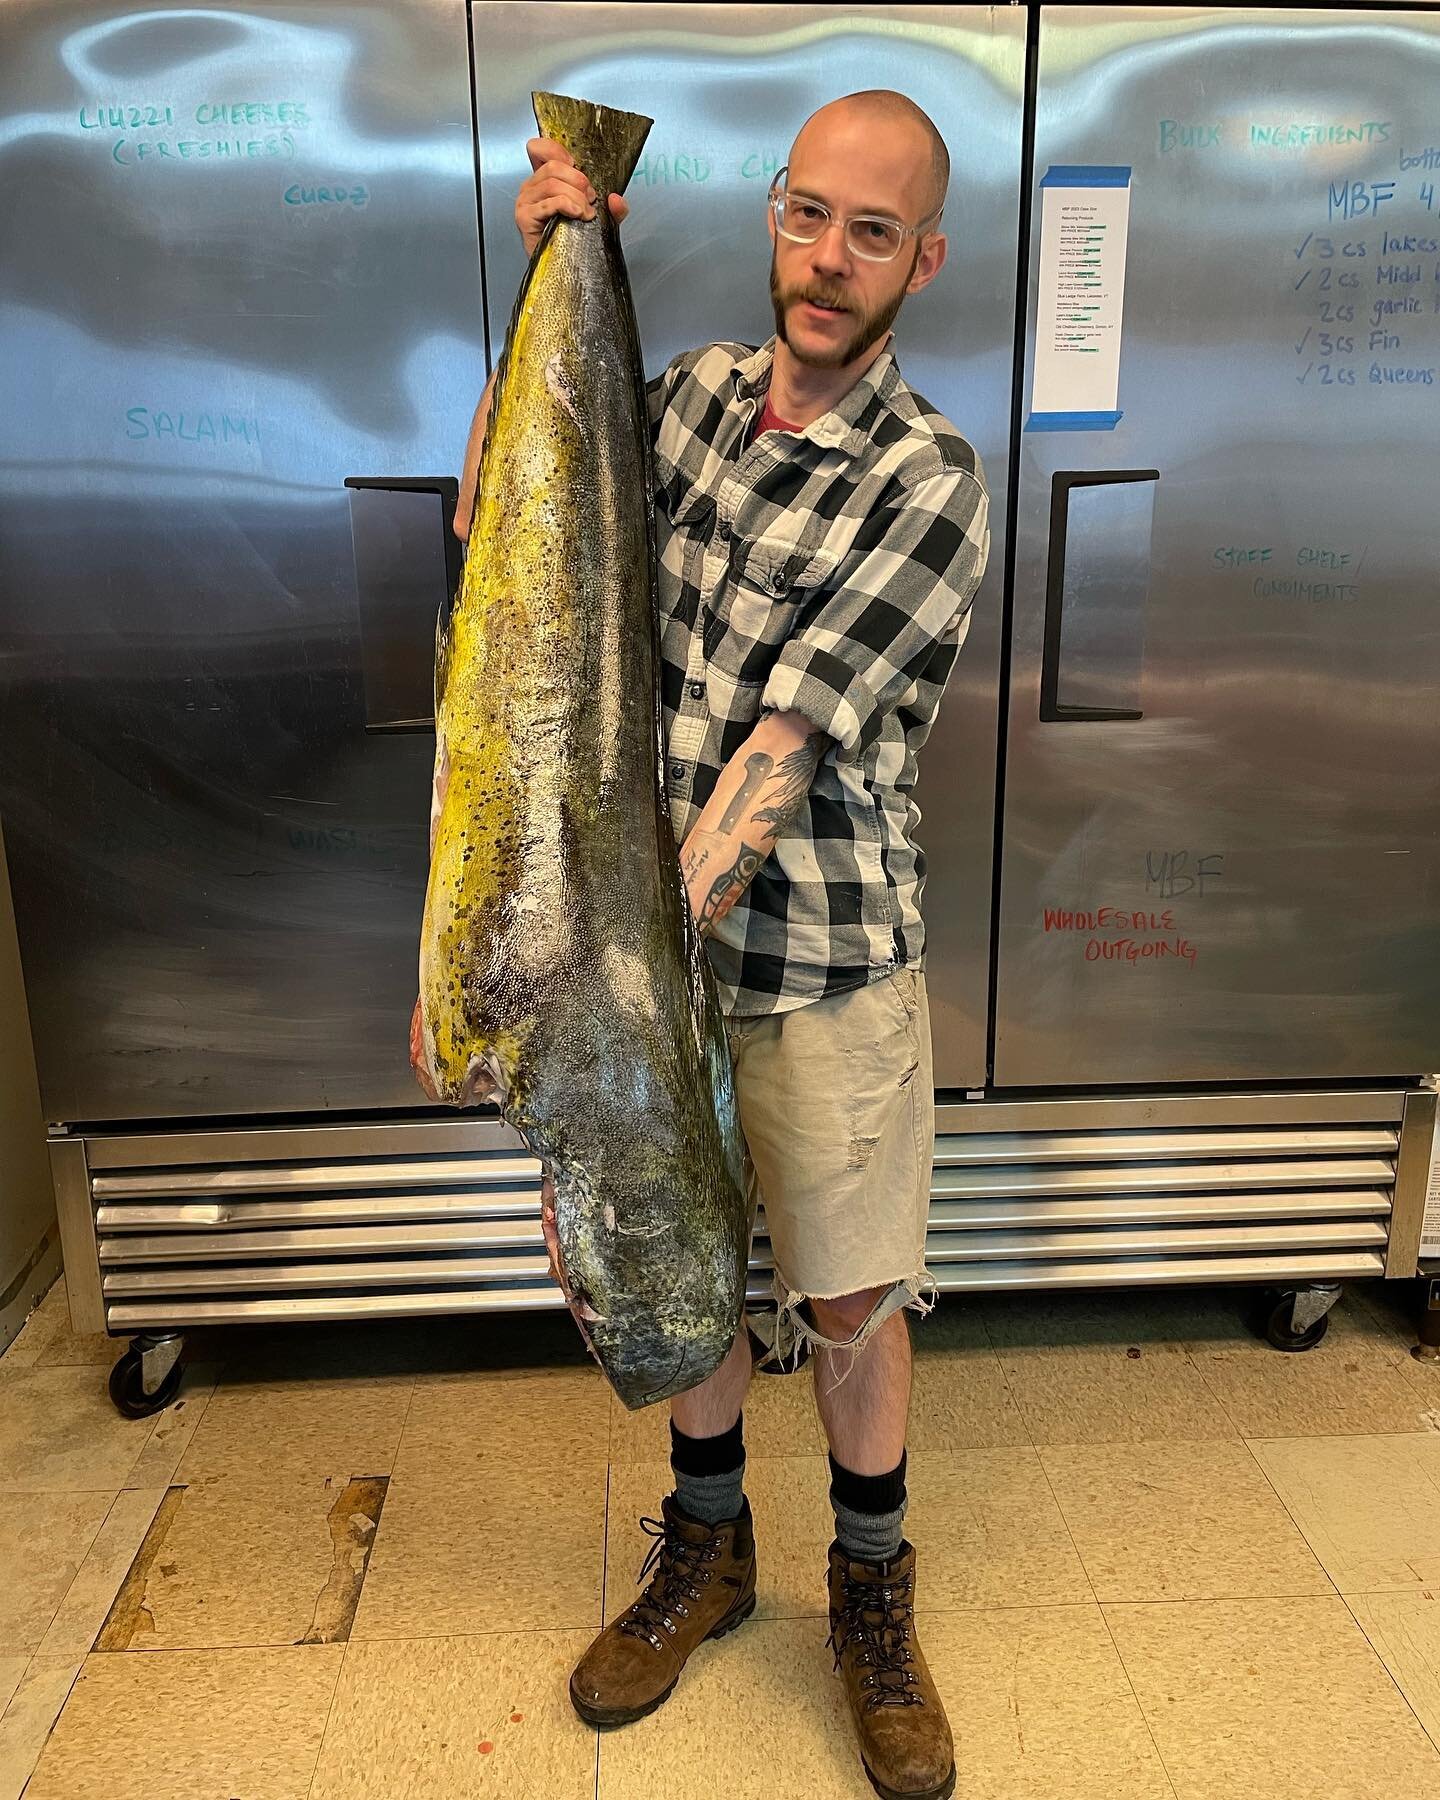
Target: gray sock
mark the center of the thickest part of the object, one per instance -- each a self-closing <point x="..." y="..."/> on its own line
<point x="869" y="1512"/>
<point x="709" y="1473"/>
<point x="710" y="1498"/>
<point x="870" y="1537"/>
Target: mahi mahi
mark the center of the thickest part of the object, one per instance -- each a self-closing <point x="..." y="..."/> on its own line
<point x="561" y="973"/>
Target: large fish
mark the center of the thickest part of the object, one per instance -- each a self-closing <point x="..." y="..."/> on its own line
<point x="561" y="972"/>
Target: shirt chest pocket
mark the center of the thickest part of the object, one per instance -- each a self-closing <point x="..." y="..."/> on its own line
<point x="766" y="588"/>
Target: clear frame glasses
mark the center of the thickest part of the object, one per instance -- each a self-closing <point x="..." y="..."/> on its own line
<point x="868" y="235"/>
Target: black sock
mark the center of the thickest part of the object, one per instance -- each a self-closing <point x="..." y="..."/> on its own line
<point x="869" y="1511"/>
<point x="709" y="1472"/>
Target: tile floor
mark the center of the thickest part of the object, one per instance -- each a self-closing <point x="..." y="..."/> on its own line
<point x="1159" y="1561"/>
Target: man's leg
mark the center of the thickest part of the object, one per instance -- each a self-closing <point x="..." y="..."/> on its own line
<point x="864" y="1395"/>
<point x="863" y="1392"/>
<point x="864" y="1399"/>
<point x="707" y="1445"/>
<point x="701" y="1569"/>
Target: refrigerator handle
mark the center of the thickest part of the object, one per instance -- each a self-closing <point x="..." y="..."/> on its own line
<point x="447" y="487"/>
<point x="407" y="567"/>
<point x="1052" y="709"/>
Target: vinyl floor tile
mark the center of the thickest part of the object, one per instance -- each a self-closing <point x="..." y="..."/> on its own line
<point x="987" y="1532"/>
<point x="1393" y="1309"/>
<point x="767" y="1706"/>
<point x="780" y="1420"/>
<point x="271" y="1430"/>
<point x="230" y="1563"/>
<point x="72" y="1632"/>
<point x="175" y="1427"/>
<point x="1405" y="1630"/>
<point x="512" y="1550"/>
<point x="789" y="1498"/>
<point x="59" y="1431"/>
<point x="44" y="1538"/>
<point x="1248" y="1697"/>
<point x="34" y="1337"/>
<point x="12" y="1667"/>
<point x="1136" y="1393"/>
<point x="191" y="1725"/>
<point x="1179" y="1522"/>
<point x="960" y="1398"/>
<point x="1348" y="1384"/>
<point x="47" y="1340"/>
<point x="69" y="1349"/>
<point x="1040" y="1706"/>
<point x="459" y="1425"/>
<point x="458" y="1718"/>
<point x="1369" y="1506"/>
<point x="27" y="1721"/>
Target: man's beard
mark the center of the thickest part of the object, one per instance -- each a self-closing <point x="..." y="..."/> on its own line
<point x="868" y="327"/>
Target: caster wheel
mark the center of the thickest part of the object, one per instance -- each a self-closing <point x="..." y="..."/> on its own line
<point x="1276" y="1327"/>
<point x="129" y="1395"/>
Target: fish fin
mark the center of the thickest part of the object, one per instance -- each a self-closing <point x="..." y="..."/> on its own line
<point x="605" y="142"/>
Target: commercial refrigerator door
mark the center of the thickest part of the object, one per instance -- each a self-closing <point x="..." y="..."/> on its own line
<point x="1219" y="811"/>
<point x="728" y="88"/>
<point x="241" y="264"/>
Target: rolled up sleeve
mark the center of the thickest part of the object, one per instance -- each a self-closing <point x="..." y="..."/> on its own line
<point x="657" y="393"/>
<point x="897" y="604"/>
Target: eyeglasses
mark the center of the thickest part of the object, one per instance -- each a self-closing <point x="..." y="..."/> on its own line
<point x="867" y="235"/>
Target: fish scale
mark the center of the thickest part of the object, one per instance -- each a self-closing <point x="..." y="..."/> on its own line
<point x="561" y="972"/>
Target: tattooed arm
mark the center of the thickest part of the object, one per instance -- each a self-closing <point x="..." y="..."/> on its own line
<point x="759" y="791"/>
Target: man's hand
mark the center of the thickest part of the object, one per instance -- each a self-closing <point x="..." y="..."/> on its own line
<point x="556" y="186"/>
<point x="417" y="1054"/>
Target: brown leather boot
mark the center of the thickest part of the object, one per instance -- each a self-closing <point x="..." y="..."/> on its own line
<point x="702" y="1585"/>
<point x="905" y="1741"/>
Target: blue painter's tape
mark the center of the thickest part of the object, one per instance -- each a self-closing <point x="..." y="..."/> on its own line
<point x="1073" y="421"/>
<point x="1086" y="175"/>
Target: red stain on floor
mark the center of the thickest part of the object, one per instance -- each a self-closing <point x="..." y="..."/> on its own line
<point x="517" y="1718"/>
<point x="485" y="1748"/>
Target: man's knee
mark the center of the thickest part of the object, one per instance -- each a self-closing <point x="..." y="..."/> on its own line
<point x="840" y="1318"/>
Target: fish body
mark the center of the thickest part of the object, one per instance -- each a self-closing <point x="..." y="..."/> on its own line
<point x="560" y="968"/>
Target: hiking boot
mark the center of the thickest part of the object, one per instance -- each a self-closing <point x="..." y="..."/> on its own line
<point x="905" y="1741"/>
<point x="702" y="1584"/>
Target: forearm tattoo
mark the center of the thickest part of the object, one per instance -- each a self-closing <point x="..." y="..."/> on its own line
<point x="791" y="784"/>
<point x="757" y="767"/>
<point x="692" y="861"/>
<point x="782" y="788"/>
<point x="726" y="889"/>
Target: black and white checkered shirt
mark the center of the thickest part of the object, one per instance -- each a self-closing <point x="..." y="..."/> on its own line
<point x="828" y="573"/>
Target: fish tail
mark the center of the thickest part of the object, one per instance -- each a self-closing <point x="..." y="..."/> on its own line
<point x="605" y="142"/>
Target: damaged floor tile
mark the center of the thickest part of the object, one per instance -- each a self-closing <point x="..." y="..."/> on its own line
<point x="227" y="1562"/>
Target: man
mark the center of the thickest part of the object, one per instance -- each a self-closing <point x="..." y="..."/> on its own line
<point x="821" y="533"/>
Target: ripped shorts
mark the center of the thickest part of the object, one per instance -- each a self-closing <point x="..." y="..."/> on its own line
<point x="837" y="1102"/>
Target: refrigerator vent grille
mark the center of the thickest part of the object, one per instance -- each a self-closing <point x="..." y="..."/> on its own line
<point x="415" y="1219"/>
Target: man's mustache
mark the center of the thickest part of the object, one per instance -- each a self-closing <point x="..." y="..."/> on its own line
<point x="816" y="297"/>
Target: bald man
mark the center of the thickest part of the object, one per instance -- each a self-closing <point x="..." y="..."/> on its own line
<point x="821" y="534"/>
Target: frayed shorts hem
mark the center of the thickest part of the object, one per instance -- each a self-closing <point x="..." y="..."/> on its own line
<point x="788" y="1331"/>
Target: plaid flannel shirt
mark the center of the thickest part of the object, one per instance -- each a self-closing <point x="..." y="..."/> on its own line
<point x="830" y="574"/>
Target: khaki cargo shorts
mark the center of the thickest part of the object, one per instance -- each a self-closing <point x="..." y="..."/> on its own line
<point x="837" y="1101"/>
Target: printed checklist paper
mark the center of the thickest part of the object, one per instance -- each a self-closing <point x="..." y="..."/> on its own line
<point x="1084" y="225"/>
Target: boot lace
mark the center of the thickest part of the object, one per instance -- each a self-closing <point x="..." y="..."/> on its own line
<point x="876" y="1621"/>
<point x="680" y="1571"/>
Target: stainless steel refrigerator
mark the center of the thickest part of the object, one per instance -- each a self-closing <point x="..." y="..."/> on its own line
<point x="1180" y="811"/>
